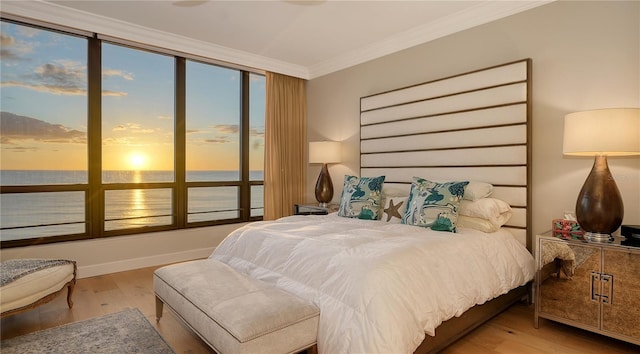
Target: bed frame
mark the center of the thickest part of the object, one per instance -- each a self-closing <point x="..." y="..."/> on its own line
<point x="472" y="126"/>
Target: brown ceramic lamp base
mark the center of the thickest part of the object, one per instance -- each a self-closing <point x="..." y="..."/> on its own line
<point x="599" y="208"/>
<point x="324" y="187"/>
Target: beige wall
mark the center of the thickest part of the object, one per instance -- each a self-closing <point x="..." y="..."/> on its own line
<point x="586" y="55"/>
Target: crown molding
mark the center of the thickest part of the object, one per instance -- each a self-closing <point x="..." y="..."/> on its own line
<point x="88" y="22"/>
<point x="483" y="12"/>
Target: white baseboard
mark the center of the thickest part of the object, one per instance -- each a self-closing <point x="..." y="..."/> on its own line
<point x="143" y="262"/>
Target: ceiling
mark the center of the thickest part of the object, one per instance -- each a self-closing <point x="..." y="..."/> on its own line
<point x="305" y="39"/>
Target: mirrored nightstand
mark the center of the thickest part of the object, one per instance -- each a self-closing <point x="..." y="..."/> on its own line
<point x="314" y="209"/>
<point x="593" y="286"/>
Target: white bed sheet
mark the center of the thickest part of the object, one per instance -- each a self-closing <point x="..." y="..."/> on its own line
<point x="380" y="287"/>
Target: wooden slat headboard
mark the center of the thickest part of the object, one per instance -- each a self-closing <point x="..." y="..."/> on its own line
<point x="473" y="126"/>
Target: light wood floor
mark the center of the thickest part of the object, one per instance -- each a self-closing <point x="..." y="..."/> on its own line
<point x="510" y="332"/>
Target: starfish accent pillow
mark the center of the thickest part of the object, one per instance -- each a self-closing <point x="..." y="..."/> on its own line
<point x="394" y="209"/>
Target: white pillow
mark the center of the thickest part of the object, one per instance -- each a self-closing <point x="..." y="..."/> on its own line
<point x="395" y="190"/>
<point x="477" y="190"/>
<point x="469" y="222"/>
<point x="394" y="208"/>
<point x="498" y="212"/>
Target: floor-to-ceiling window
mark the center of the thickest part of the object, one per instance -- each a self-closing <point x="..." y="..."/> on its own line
<point x="104" y="138"/>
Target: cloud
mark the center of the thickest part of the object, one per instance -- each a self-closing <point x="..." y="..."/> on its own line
<point x="15" y="128"/>
<point x="227" y="128"/>
<point x="13" y="50"/>
<point x="110" y="93"/>
<point x="6" y="54"/>
<point x="64" y="73"/>
<point x="110" y="141"/>
<point x="63" y="77"/>
<point x="135" y="128"/>
<point x="107" y="73"/>
<point x="223" y="132"/>
<point x="226" y="134"/>
<point x="57" y="90"/>
<point x="258" y="138"/>
<point x="234" y="129"/>
<point x="6" y="41"/>
<point x="5" y="140"/>
<point x="20" y="149"/>
<point x="66" y="76"/>
<point x="60" y="78"/>
<point x="117" y="73"/>
<point x="257" y="132"/>
<point x="217" y="141"/>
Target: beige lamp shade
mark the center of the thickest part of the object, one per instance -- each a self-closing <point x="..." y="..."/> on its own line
<point x="324" y="152"/>
<point x="609" y="132"/>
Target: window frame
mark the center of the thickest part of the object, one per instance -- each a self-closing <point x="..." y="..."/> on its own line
<point x="94" y="190"/>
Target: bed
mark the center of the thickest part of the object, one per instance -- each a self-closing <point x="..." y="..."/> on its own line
<point x="385" y="286"/>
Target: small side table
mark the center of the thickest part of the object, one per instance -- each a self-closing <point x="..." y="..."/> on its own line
<point x="314" y="209"/>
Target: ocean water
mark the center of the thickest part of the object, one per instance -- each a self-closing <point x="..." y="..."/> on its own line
<point x="32" y="215"/>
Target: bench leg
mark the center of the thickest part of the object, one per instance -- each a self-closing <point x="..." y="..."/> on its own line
<point x="72" y="285"/>
<point x="159" y="306"/>
<point x="70" y="288"/>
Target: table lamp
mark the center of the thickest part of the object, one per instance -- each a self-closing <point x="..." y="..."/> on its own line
<point x="601" y="133"/>
<point x="324" y="152"/>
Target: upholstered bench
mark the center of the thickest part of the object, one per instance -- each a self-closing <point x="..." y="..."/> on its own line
<point x="234" y="313"/>
<point x="28" y="283"/>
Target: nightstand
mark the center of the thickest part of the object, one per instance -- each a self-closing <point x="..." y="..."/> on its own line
<point x="591" y="285"/>
<point x="314" y="209"/>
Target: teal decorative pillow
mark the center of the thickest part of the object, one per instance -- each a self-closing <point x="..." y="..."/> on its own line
<point x="361" y="197"/>
<point x="434" y="205"/>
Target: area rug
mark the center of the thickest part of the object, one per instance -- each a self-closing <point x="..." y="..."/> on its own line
<point x="127" y="331"/>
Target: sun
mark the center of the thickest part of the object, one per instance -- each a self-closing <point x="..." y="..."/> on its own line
<point x="137" y="161"/>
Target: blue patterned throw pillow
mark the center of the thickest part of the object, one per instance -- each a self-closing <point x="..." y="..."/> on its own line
<point x="361" y="197"/>
<point x="434" y="205"/>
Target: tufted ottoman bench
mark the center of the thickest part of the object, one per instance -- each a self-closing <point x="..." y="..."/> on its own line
<point x="28" y="283"/>
<point x="234" y="313"/>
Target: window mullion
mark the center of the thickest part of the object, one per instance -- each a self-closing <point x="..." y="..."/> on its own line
<point x="180" y="190"/>
<point x="245" y="189"/>
<point x="95" y="197"/>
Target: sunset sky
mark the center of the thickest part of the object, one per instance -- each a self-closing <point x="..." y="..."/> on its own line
<point x="44" y="107"/>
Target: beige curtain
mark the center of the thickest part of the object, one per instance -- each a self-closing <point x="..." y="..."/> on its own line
<point x="285" y="145"/>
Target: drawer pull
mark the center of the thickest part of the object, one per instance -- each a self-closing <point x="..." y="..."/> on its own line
<point x="595" y="279"/>
<point x="607" y="278"/>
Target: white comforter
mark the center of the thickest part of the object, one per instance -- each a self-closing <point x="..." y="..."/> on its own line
<point x="380" y="287"/>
